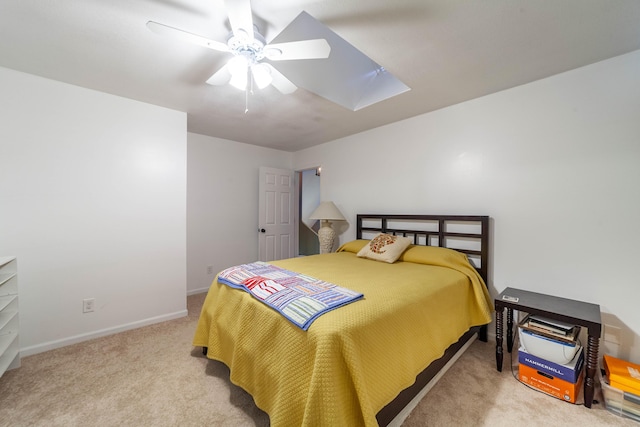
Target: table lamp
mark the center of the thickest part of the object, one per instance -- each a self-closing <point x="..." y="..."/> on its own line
<point x="326" y="212"/>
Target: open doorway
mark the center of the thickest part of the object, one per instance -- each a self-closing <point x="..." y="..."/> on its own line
<point x="308" y="199"/>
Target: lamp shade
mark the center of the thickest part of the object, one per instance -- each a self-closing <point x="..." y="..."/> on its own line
<point x="327" y="211"/>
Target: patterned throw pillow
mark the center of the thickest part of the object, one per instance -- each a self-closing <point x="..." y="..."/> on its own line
<point x="385" y="247"/>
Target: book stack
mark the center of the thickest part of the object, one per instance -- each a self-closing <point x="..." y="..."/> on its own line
<point x="551" y="357"/>
<point x="551" y="329"/>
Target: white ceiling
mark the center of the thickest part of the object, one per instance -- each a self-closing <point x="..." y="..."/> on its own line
<point x="446" y="51"/>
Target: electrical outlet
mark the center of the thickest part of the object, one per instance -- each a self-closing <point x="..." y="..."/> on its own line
<point x="210" y="269"/>
<point x="88" y="305"/>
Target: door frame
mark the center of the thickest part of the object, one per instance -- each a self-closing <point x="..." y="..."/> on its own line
<point x="298" y="201"/>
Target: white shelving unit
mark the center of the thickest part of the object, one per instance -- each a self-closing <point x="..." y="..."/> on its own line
<point x="9" y="318"/>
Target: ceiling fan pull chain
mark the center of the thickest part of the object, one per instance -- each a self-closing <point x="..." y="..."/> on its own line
<point x="246" y="90"/>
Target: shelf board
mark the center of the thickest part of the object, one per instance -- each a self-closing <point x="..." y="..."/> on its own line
<point x="6" y="277"/>
<point x="6" y="300"/>
<point x="5" y="318"/>
<point x="6" y="260"/>
<point x="9" y="354"/>
<point x="6" y="341"/>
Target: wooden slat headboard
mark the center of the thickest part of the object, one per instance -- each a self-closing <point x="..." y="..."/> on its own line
<point x="465" y="233"/>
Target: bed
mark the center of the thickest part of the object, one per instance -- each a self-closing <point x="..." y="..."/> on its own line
<point x="362" y="363"/>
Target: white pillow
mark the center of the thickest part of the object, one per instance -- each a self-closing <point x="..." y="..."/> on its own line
<point x="385" y="247"/>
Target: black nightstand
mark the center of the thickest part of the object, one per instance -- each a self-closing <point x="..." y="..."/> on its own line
<point x="566" y="310"/>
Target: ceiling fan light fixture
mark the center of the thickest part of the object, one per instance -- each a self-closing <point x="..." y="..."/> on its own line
<point x="239" y="81"/>
<point x="238" y="67"/>
<point x="261" y="75"/>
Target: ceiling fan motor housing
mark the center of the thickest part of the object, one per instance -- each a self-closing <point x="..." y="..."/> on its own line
<point x="241" y="43"/>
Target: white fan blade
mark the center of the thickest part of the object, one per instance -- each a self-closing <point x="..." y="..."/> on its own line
<point x="280" y="82"/>
<point x="303" y="49"/>
<point x="240" y="17"/>
<point x="221" y="77"/>
<point x="166" y="30"/>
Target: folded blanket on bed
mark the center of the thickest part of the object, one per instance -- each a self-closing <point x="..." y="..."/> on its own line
<point x="299" y="298"/>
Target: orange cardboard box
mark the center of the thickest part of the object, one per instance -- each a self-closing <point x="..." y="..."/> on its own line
<point x="622" y="375"/>
<point x="561" y="389"/>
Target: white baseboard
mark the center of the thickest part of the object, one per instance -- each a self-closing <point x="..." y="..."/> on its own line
<point x="197" y="291"/>
<point x="51" y="345"/>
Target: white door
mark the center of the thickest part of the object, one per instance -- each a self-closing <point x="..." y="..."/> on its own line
<point x="276" y="224"/>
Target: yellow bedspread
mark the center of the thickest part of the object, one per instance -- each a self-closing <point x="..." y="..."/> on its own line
<point x="354" y="360"/>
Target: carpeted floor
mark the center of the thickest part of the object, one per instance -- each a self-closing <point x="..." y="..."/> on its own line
<point x="152" y="376"/>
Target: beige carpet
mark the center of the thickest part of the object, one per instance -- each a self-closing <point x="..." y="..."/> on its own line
<point x="152" y="376"/>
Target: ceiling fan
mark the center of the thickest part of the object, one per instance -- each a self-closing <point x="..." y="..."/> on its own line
<point x="347" y="77"/>
<point x="249" y="48"/>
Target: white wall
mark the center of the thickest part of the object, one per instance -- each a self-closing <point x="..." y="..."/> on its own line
<point x="222" y="204"/>
<point x="93" y="204"/>
<point x="555" y="163"/>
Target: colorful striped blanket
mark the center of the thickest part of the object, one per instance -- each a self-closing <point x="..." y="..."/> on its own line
<point x="299" y="298"/>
